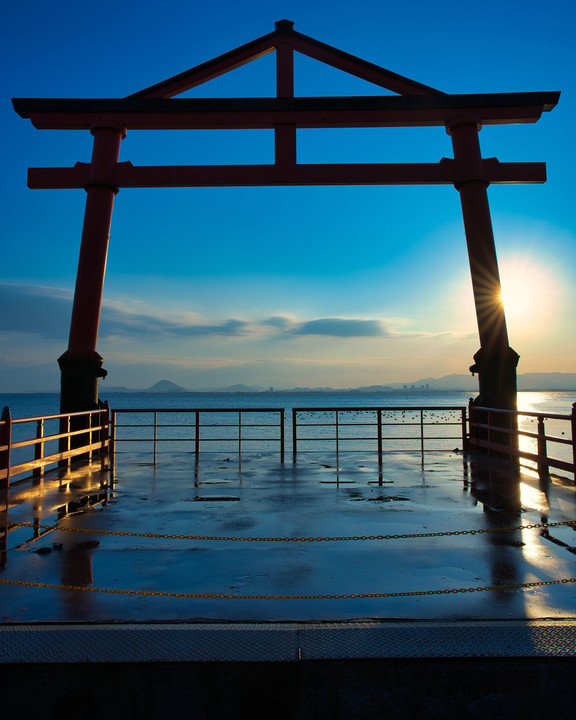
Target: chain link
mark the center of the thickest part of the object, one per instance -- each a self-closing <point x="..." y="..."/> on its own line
<point x="230" y="596"/>
<point x="226" y="538"/>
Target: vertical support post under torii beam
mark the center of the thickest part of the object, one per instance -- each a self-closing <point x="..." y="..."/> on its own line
<point x="496" y="361"/>
<point x="285" y="135"/>
<point x="81" y="365"/>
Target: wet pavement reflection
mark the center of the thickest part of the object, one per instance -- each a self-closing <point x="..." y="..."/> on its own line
<point x="319" y="495"/>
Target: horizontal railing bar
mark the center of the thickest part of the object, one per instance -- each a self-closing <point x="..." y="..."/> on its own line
<point x="198" y="410"/>
<point x="204" y="439"/>
<point x="52" y="438"/>
<point x="52" y="459"/>
<point x="85" y="413"/>
<point x="373" y="437"/>
<point x="204" y="425"/>
<point x="542" y="459"/>
<point x="522" y="433"/>
<point x="387" y="408"/>
<point x="524" y="413"/>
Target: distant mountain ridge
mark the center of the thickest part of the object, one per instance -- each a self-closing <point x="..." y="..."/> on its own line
<point x="454" y="382"/>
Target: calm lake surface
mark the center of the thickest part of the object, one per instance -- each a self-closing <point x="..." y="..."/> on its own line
<point x="35" y="404"/>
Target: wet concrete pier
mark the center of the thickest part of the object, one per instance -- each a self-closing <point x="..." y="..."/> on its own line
<point x="277" y="606"/>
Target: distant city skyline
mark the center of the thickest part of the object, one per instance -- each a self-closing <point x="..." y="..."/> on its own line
<point x="339" y="287"/>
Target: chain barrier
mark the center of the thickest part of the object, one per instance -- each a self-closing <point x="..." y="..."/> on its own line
<point x="225" y="596"/>
<point x="163" y="536"/>
<point x="230" y="596"/>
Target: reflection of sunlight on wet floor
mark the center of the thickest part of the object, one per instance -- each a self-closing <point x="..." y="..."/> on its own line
<point x="533" y="499"/>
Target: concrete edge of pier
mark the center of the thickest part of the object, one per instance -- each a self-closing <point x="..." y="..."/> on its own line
<point x="284" y="641"/>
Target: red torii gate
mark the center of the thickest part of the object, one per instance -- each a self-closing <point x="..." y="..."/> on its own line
<point x="415" y="105"/>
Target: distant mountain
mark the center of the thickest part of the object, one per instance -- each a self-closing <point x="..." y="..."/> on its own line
<point x="165" y="386"/>
<point x="547" y="381"/>
<point x="447" y="382"/>
<point x="526" y="381"/>
<point x="455" y="382"/>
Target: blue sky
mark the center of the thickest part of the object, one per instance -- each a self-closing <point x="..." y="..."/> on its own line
<point x="285" y="286"/>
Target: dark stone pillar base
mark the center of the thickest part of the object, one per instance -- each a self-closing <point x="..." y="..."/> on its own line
<point x="79" y="383"/>
<point x="497" y="379"/>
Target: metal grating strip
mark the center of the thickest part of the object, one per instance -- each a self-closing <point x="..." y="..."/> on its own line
<point x="282" y="642"/>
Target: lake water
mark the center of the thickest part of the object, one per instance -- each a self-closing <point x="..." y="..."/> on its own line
<point x="35" y="404"/>
<point x="316" y="431"/>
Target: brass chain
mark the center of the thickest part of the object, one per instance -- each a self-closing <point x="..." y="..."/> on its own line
<point x="162" y="536"/>
<point x="230" y="596"/>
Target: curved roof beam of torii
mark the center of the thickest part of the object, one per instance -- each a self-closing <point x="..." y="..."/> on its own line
<point x="285" y="34"/>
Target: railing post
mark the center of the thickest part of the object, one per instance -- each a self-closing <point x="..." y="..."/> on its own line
<point x="155" y="433"/>
<point x="5" y="441"/>
<point x="465" y="434"/>
<point x="112" y="447"/>
<point x="239" y="433"/>
<point x="573" y="424"/>
<point x="422" y="432"/>
<point x="282" y="435"/>
<point x="64" y="441"/>
<point x="379" y="433"/>
<point x="104" y="434"/>
<point x="337" y="435"/>
<point x="543" y="468"/>
<point x="472" y="429"/>
<point x="39" y="448"/>
<point x="294" y="434"/>
<point x="197" y="435"/>
<point x="90" y="435"/>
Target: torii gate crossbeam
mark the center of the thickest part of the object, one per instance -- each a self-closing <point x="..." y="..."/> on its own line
<point x="417" y="105"/>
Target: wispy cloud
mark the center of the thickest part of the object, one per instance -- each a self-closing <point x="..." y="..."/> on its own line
<point x="342" y="327"/>
<point x="45" y="312"/>
<point x="35" y="310"/>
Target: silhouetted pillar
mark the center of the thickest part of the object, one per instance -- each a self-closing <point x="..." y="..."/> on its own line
<point x="81" y="365"/>
<point x="496" y="361"/>
<point x="285" y="133"/>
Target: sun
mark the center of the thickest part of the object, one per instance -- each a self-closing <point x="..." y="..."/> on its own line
<point x="529" y="292"/>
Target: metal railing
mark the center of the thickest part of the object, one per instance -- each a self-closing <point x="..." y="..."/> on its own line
<point x="389" y="427"/>
<point x="201" y="428"/>
<point x="523" y="436"/>
<point x="540" y="441"/>
<point x="31" y="445"/>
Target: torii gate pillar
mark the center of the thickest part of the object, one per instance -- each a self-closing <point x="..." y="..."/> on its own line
<point x="496" y="361"/>
<point x="81" y="365"/>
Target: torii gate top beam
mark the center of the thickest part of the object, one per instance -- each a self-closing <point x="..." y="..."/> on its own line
<point x="302" y="112"/>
